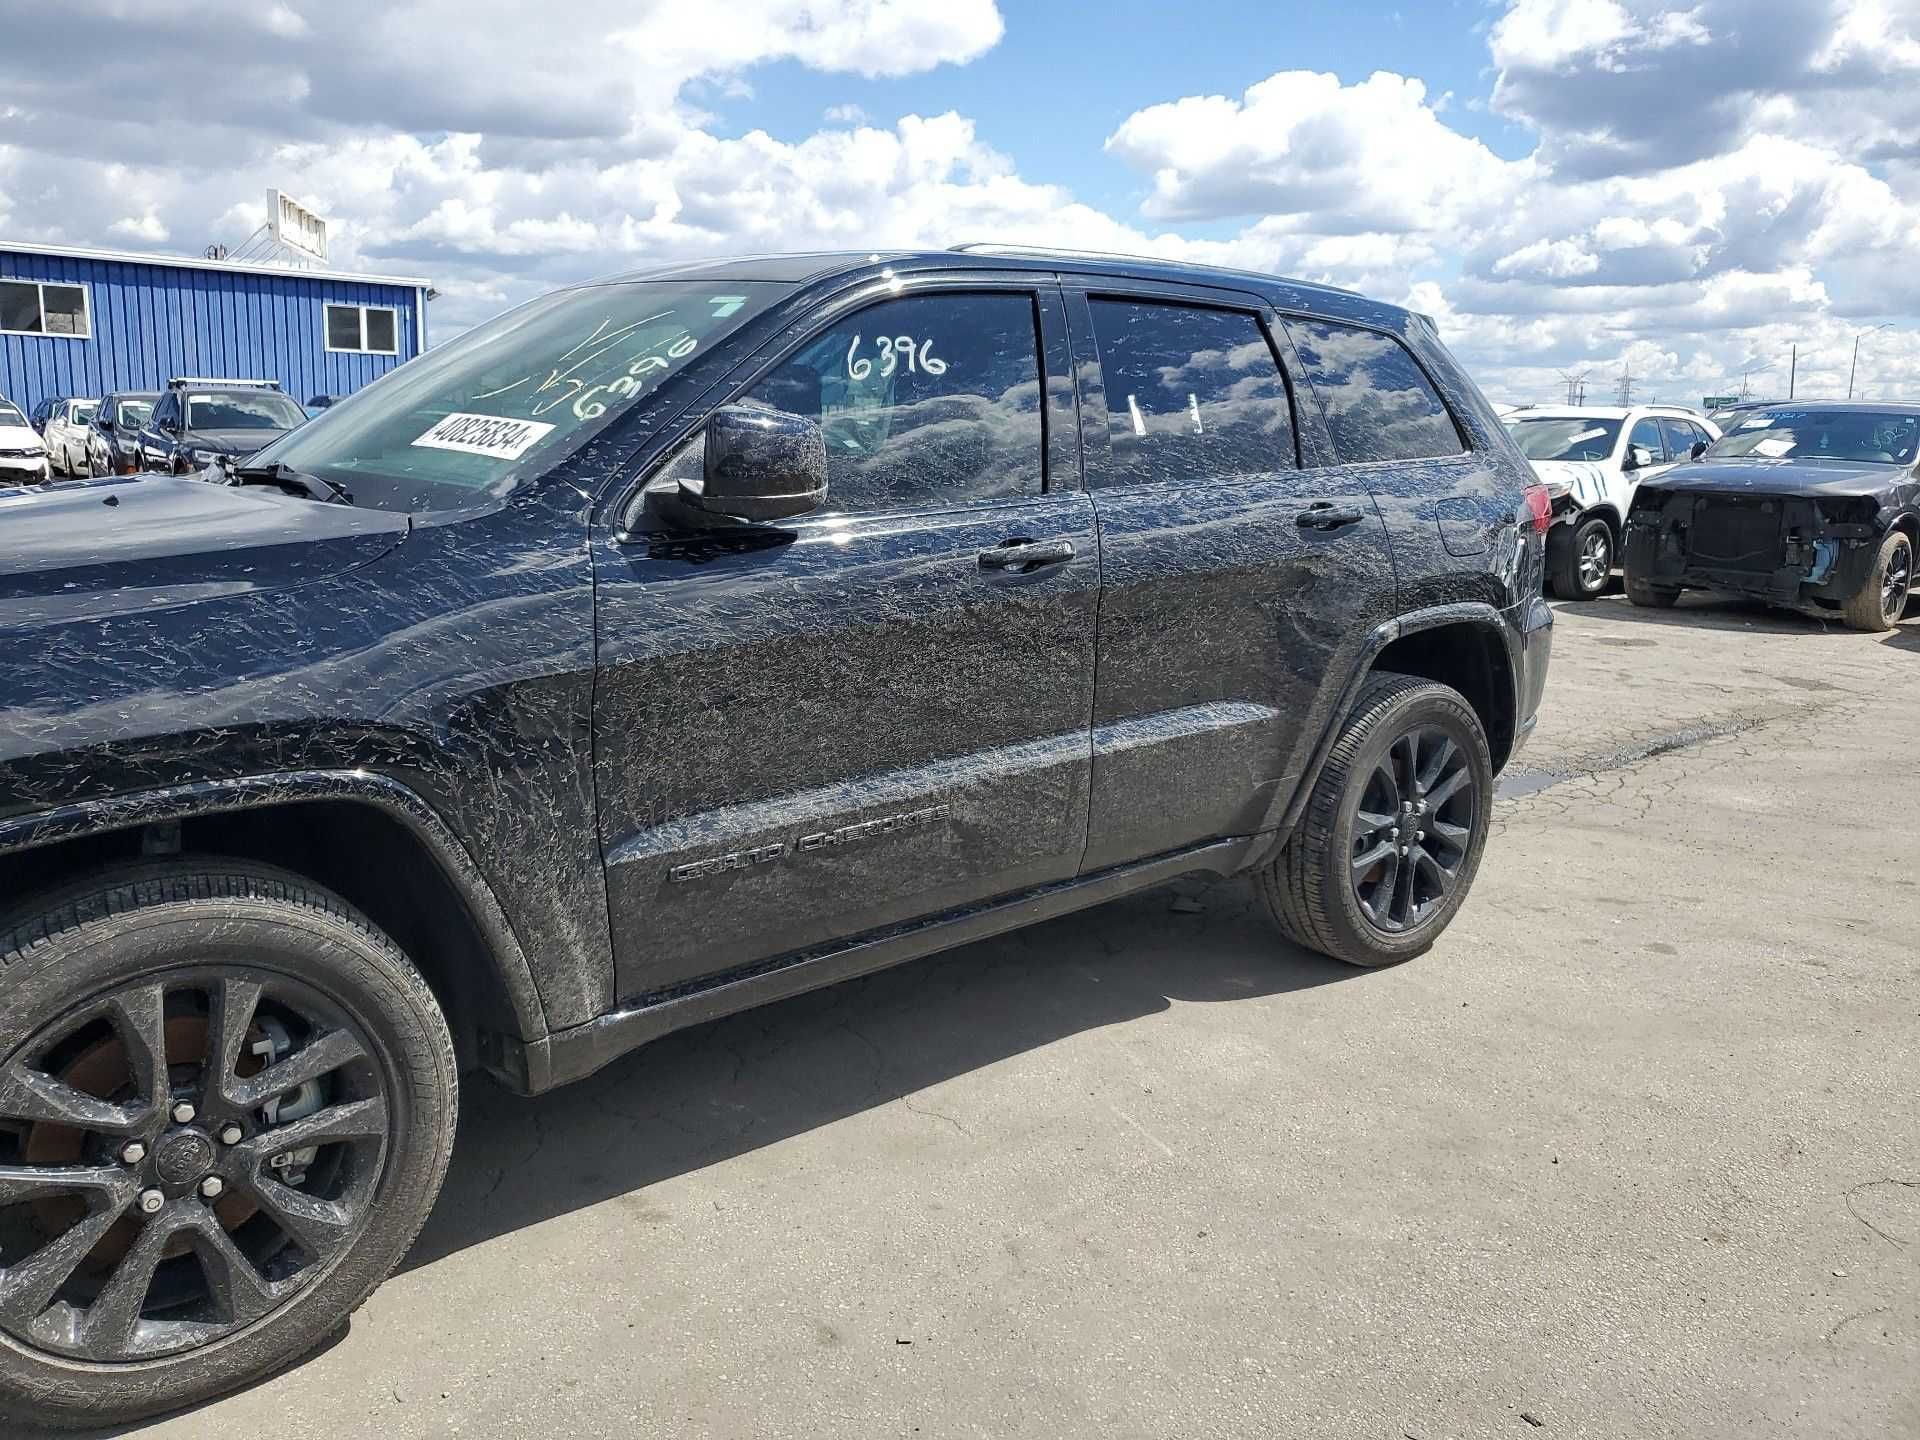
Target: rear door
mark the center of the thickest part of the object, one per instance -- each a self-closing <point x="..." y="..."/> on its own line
<point x="876" y="712"/>
<point x="1231" y="578"/>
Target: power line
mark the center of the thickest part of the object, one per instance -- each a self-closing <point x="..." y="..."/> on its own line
<point x="1576" y="386"/>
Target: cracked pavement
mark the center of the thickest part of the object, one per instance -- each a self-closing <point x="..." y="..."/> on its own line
<point x="1635" y="1151"/>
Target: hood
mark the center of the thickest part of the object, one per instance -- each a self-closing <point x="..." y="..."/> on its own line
<point x="20" y="437"/>
<point x="1837" y="478"/>
<point x="97" y="547"/>
<point x="229" y="442"/>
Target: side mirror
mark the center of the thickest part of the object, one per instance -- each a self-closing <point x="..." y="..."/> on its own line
<point x="760" y="465"/>
<point x="1638" y="458"/>
<point x="1699" y="448"/>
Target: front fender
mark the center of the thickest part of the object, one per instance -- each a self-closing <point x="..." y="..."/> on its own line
<point x="133" y="809"/>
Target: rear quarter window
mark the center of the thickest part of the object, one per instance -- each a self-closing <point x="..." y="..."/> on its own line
<point x="1378" y="402"/>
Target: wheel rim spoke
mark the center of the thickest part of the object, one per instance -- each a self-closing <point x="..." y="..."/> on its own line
<point x="236" y="1286"/>
<point x="29" y="1094"/>
<point x="321" y="1226"/>
<point x="356" y="1120"/>
<point x="1443" y="754"/>
<point x="140" y="1018"/>
<point x="114" y="1315"/>
<point x="1447" y="789"/>
<point x="233" y="1004"/>
<point x="1405" y="859"/>
<point x="310" y="1062"/>
<point x="27" y="1287"/>
<point x="1365" y="862"/>
<point x="35" y="1182"/>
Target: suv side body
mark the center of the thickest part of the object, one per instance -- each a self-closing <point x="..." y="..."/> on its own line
<point x="1235" y="635"/>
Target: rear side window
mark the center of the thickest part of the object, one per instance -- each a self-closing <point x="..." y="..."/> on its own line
<point x="1379" y="403"/>
<point x="1681" y="437"/>
<point x="1192" y="394"/>
<point x="927" y="400"/>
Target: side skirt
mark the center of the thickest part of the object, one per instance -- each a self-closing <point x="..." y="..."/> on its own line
<point x="575" y="1053"/>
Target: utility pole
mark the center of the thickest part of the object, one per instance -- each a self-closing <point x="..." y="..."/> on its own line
<point x="1576" y="386"/>
<point x="1623" y="387"/>
<point x="1793" y="374"/>
<point x="1854" y="368"/>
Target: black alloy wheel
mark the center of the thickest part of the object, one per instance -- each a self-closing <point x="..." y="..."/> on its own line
<point x="1412" y="829"/>
<point x="1896" y="582"/>
<point x="227" y="1102"/>
<point x="190" y="1151"/>
<point x="1881" y="601"/>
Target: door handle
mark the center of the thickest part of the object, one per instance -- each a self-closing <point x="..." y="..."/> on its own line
<point x="1026" y="556"/>
<point x="1325" y="515"/>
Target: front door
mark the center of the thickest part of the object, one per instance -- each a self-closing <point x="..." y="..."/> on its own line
<point x="877" y="712"/>
<point x="1233" y="579"/>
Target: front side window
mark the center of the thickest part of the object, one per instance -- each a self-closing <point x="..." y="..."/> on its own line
<point x="1378" y="401"/>
<point x="33" y="307"/>
<point x="1192" y="394"/>
<point x="1551" y="437"/>
<point x="241" y="410"/>
<point x="925" y="400"/>
<point x="515" y="396"/>
<point x="1681" y="436"/>
<point x="1645" y="435"/>
<point x="362" y="329"/>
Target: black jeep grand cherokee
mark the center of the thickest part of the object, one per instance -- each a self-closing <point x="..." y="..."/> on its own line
<point x="667" y="646"/>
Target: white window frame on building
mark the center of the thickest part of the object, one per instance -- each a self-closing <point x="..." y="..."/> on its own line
<point x="363" y="348"/>
<point x="40" y="288"/>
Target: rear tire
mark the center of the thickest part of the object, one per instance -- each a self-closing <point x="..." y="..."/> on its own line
<point x="1407" y="742"/>
<point x="1882" y="597"/>
<point x="1651" y="597"/>
<point x="1581" y="567"/>
<point x="163" y="959"/>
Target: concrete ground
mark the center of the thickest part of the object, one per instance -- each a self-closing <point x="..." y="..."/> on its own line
<point x="1635" y="1151"/>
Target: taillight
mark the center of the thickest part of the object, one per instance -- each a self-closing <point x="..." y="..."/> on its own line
<point x="1540" y="506"/>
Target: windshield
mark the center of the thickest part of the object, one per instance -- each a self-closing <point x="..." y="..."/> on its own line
<point x="10" y="416"/>
<point x="517" y="394"/>
<point x="133" y="413"/>
<point x="82" y="411"/>
<point x="1576" y="437"/>
<point x="241" y="410"/>
<point x="1872" y="437"/>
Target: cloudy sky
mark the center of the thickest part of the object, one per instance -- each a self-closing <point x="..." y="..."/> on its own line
<point x="1563" y="184"/>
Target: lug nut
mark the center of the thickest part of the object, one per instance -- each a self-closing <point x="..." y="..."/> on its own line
<point x="134" y="1152"/>
<point x="211" y="1187"/>
<point x="231" y="1134"/>
<point x="151" y="1200"/>
<point x="1419" y="834"/>
<point x="183" y="1113"/>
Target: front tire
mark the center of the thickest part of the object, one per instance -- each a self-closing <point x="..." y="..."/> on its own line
<point x="227" y="1102"/>
<point x="1387" y="850"/>
<point x="1651" y="597"/>
<point x="1882" y="597"/>
<point x="1581" y="567"/>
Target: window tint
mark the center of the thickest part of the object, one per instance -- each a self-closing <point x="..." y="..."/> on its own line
<point x="1379" y="403"/>
<point x="380" y="331"/>
<point x="926" y="400"/>
<point x="19" y="306"/>
<point x="1646" y="434"/>
<point x="1192" y="394"/>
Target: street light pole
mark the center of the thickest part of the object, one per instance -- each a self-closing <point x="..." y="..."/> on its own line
<point x="1854" y="368"/>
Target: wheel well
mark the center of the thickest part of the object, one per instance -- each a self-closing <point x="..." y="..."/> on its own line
<point x="362" y="854"/>
<point x="1612" y="517"/>
<point x="1471" y="659"/>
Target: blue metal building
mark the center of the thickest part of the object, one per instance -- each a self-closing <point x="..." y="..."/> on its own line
<point x="88" y="322"/>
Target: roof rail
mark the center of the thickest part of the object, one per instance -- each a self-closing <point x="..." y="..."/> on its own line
<point x="994" y="247"/>
<point x="180" y="382"/>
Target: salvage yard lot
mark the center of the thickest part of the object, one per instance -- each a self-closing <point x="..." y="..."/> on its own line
<point x="1634" y="1151"/>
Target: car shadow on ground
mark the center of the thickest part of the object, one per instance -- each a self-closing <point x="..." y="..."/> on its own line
<point x="723" y="1089"/>
<point x="1714" y="610"/>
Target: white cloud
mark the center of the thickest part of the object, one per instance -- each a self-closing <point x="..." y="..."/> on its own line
<point x="1707" y="183"/>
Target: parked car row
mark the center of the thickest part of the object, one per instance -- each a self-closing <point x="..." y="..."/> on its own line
<point x="1812" y="505"/>
<point x="186" y="426"/>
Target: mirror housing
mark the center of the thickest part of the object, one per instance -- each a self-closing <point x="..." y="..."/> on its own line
<point x="1699" y="448"/>
<point x="760" y="465"/>
<point x="1638" y="458"/>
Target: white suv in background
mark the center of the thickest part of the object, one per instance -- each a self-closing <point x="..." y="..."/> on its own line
<point x="1591" y="458"/>
<point x="23" y="457"/>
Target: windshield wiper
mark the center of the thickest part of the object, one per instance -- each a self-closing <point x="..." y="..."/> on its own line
<point x="314" y="487"/>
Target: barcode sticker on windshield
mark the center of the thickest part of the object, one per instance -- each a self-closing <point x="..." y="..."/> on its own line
<point x="495" y="436"/>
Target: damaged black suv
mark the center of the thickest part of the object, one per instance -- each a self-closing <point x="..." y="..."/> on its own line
<point x="670" y="645"/>
<point x="1814" y="505"/>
